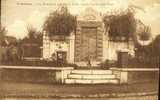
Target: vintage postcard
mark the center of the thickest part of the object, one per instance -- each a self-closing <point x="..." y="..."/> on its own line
<point x="79" y="49"/>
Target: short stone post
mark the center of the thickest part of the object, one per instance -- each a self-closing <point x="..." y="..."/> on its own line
<point x="123" y="77"/>
<point x="122" y="59"/>
<point x="64" y="75"/>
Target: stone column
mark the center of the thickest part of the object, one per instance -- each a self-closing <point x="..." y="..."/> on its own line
<point x="46" y="46"/>
<point x="77" y="41"/>
<point x="71" y="50"/>
<point x="100" y="44"/>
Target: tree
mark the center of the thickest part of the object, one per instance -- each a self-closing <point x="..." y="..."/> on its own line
<point x="156" y="45"/>
<point x="123" y="24"/>
<point x="31" y="33"/>
<point x="3" y="32"/>
<point x="60" y="22"/>
<point x="33" y="36"/>
<point x="156" y="48"/>
<point x="145" y="34"/>
<point x="31" y="44"/>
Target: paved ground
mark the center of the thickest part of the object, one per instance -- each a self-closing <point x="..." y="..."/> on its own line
<point x="151" y="97"/>
<point x="57" y="90"/>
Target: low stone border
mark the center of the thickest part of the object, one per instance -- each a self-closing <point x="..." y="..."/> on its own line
<point x="61" y="72"/>
<point x="36" y="67"/>
<point x="52" y="95"/>
<point x="123" y="73"/>
<point x="135" y="69"/>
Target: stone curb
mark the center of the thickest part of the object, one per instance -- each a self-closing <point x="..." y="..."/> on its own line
<point x="109" y="95"/>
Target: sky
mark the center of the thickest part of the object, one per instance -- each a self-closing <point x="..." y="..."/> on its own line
<point x="16" y="15"/>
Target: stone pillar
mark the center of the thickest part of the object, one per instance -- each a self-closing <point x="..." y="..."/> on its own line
<point x="46" y="46"/>
<point x="122" y="59"/>
<point x="71" y="48"/>
<point x="123" y="77"/>
<point x="105" y="44"/>
<point x="77" y="44"/>
<point x="100" y="43"/>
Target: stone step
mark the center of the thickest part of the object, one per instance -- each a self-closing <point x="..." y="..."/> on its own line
<point x="87" y="76"/>
<point x="84" y="63"/>
<point x="96" y="72"/>
<point x="82" y="81"/>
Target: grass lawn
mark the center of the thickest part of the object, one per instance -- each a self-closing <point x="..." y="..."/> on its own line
<point x="30" y="89"/>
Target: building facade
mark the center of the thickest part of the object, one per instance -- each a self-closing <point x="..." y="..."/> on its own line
<point x="89" y="41"/>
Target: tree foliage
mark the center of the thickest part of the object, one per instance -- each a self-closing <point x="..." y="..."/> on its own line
<point x="34" y="36"/>
<point x="156" y="45"/>
<point x="145" y="34"/>
<point x="123" y="24"/>
<point x="60" y="22"/>
<point x="153" y="49"/>
<point x="3" y="32"/>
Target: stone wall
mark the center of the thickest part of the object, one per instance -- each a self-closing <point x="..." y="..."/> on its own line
<point x="22" y="75"/>
<point x="105" y="49"/>
<point x="112" y="47"/>
<point x="52" y="46"/>
<point x="136" y="75"/>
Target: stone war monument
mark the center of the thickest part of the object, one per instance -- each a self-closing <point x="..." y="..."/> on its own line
<point x="90" y="41"/>
<point x="79" y="49"/>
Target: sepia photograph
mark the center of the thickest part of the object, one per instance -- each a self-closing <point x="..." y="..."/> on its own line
<point x="79" y="49"/>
